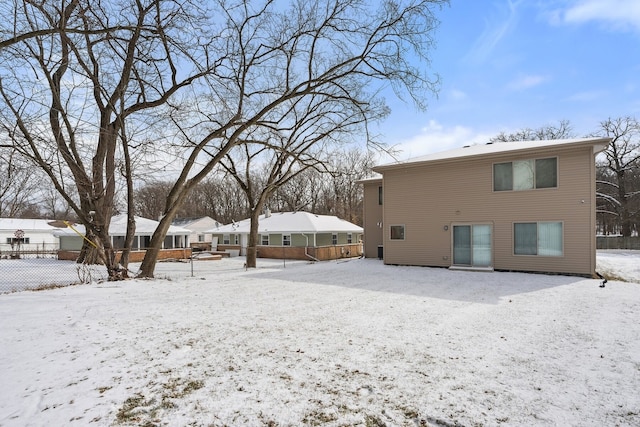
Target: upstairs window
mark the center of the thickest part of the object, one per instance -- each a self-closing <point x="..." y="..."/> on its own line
<point x="525" y="174"/>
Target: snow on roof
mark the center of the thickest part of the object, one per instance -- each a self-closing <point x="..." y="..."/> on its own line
<point x="13" y="224"/>
<point x="498" y="148"/>
<point x="375" y="178"/>
<point x="292" y="222"/>
<point x="202" y="224"/>
<point x="118" y="227"/>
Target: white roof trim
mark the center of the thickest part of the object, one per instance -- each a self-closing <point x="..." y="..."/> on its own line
<point x="465" y="152"/>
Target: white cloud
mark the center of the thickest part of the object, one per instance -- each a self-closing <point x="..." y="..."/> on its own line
<point x="457" y="94"/>
<point x="619" y="14"/>
<point x="587" y="96"/>
<point x="526" y="82"/>
<point x="435" y="137"/>
<point x="494" y="32"/>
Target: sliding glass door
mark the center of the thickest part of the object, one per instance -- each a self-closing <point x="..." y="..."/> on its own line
<point x="472" y="245"/>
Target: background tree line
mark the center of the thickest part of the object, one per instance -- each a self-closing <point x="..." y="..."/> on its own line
<point x="332" y="190"/>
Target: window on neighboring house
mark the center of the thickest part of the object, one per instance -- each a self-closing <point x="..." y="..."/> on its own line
<point x="525" y="174"/>
<point x="397" y="232"/>
<point x="334" y="239"/>
<point x="15" y="240"/>
<point x="286" y="240"/>
<point x="226" y="239"/>
<point x="264" y="239"/>
<point x="537" y="238"/>
<point x="349" y="238"/>
<point x="380" y="195"/>
<point x="236" y="239"/>
<point x="200" y="237"/>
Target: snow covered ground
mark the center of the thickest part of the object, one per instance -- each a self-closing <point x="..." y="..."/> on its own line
<point x="333" y="343"/>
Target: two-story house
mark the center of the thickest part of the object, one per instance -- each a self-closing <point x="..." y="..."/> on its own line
<point x="514" y="206"/>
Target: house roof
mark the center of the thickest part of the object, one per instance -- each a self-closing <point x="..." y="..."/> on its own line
<point x="118" y="227"/>
<point x="196" y="224"/>
<point x="13" y="224"/>
<point x="291" y="222"/>
<point x="376" y="178"/>
<point x="497" y="148"/>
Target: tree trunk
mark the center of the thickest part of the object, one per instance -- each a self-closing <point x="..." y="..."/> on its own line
<point x="252" y="249"/>
<point x="625" y="218"/>
<point x="128" y="241"/>
<point x="151" y="256"/>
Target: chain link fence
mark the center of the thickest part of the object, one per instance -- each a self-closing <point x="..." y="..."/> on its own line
<point x="33" y="269"/>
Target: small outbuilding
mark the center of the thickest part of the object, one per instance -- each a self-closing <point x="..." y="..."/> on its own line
<point x="28" y="235"/>
<point x="294" y="235"/>
<point x="200" y="237"/>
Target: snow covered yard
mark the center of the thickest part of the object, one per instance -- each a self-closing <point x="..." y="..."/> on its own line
<point x="334" y="343"/>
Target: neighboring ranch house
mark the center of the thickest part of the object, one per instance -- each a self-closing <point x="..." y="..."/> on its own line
<point x="294" y="235"/>
<point x="32" y="235"/>
<point x="200" y="236"/>
<point x="521" y="206"/>
<point x="177" y="237"/>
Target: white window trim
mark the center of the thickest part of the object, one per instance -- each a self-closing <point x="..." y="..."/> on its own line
<point x="513" y="239"/>
<point x="534" y="178"/>
<point x="404" y="232"/>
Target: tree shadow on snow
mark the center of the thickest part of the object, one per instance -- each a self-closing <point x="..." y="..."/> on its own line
<point x="442" y="283"/>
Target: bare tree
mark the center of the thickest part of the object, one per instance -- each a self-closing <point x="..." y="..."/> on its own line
<point x="346" y="195"/>
<point x="269" y="58"/>
<point x="618" y="188"/>
<point x="74" y="72"/>
<point x="217" y="196"/>
<point x="279" y="159"/>
<point x="18" y="185"/>
<point x="77" y="77"/>
<point x="150" y="199"/>
<point x="562" y="131"/>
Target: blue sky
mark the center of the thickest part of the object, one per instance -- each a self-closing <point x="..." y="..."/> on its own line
<point x="506" y="65"/>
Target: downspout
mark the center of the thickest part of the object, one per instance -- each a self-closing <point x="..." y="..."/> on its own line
<point x="307" y="247"/>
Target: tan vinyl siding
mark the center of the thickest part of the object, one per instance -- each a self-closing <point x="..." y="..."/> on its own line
<point x="372" y="217"/>
<point x="429" y="199"/>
